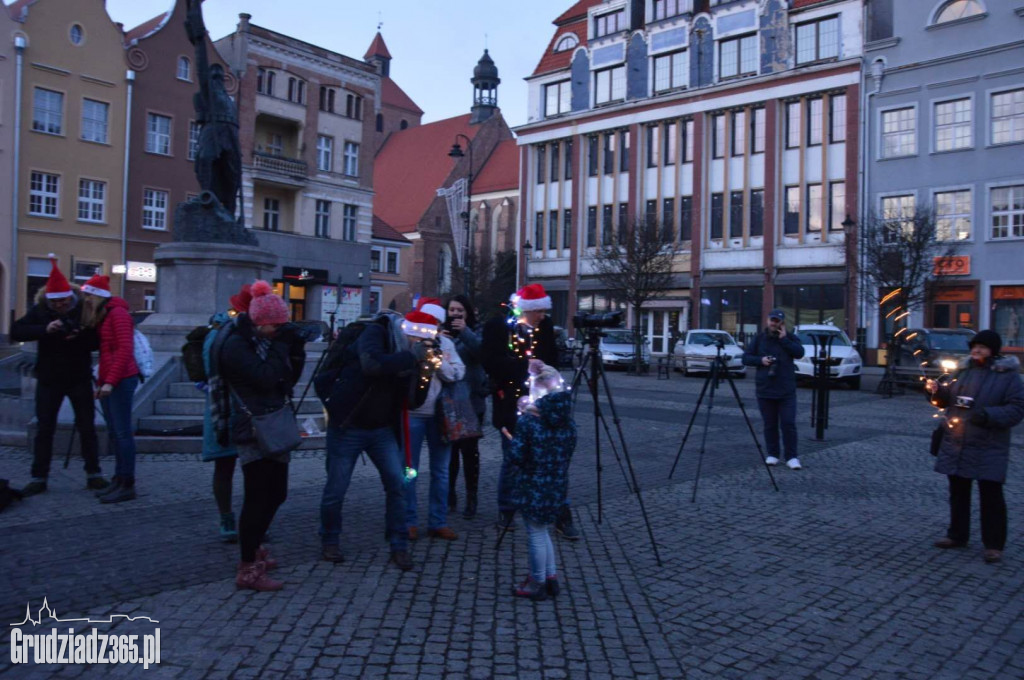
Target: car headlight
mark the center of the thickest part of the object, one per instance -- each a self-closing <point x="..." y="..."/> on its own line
<point x="852" y="359"/>
<point x="948" y="364"/>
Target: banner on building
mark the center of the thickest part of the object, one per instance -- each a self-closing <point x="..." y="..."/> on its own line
<point x="458" y="203"/>
<point x="328" y="303"/>
<point x="350" y="306"/>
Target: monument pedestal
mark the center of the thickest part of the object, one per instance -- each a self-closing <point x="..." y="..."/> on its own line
<point x="196" y="280"/>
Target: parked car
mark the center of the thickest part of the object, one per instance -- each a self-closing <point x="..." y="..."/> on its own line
<point x="618" y="348"/>
<point x="847" y="370"/>
<point x="698" y="348"/>
<point x="930" y="352"/>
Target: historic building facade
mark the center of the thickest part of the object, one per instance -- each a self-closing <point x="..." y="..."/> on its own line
<point x="11" y="66"/>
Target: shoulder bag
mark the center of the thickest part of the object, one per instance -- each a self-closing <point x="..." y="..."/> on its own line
<point x="277" y="432"/>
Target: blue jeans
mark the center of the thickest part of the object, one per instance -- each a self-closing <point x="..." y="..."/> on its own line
<point x="542" y="551"/>
<point x="440" y="459"/>
<point x="343" y="449"/>
<point x="776" y="412"/>
<point x="117" y="411"/>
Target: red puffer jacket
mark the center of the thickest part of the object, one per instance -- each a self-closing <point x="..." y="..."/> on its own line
<point x="117" y="344"/>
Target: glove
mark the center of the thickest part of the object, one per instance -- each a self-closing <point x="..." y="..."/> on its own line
<point x="979" y="418"/>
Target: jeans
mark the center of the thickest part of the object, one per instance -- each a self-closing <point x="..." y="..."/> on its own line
<point x="117" y="411"/>
<point x="542" y="551"/>
<point x="440" y="460"/>
<point x="775" y="412"/>
<point x="49" y="397"/>
<point x="505" y="477"/>
<point x="993" y="512"/>
<point x="343" y="449"/>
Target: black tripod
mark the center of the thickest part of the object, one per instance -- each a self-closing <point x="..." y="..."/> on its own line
<point x="712" y="381"/>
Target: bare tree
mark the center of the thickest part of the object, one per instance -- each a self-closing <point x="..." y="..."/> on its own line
<point x="636" y="270"/>
<point x="493" y="279"/>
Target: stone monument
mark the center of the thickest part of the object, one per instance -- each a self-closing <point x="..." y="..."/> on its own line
<point x="213" y="253"/>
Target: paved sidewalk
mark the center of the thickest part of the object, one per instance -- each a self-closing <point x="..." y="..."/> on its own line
<point x="834" y="576"/>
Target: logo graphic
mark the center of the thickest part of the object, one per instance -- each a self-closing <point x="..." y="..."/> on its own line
<point x="52" y="615"/>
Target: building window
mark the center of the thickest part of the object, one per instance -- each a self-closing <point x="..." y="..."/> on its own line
<point x="265" y="81"/>
<point x="624" y="151"/>
<point x="194" y="129"/>
<point x="664" y="9"/>
<point x="953" y="215"/>
<point x="758" y="126"/>
<point x="736" y="214"/>
<point x="1008" y="117"/>
<point x="688" y="141"/>
<point x="606" y="24"/>
<point x="815" y="121"/>
<point x="380" y="122"/>
<point x="668" y="220"/>
<point x="791" y="217"/>
<point x="898" y="213"/>
<point x="271" y="214"/>
<point x="651" y="213"/>
<point x="557" y="98"/>
<point x="959" y="9"/>
<point x="327" y="97"/>
<point x="375" y="254"/>
<point x="622" y="225"/>
<point x="592" y="226"/>
<point x="92" y="199"/>
<point x="568" y="159"/>
<point x="567" y="228"/>
<point x="404" y="124"/>
<point x="95" y="120"/>
<point x="610" y="85"/>
<point x="817" y="40"/>
<point x="83" y="270"/>
<point x="814" y="207"/>
<point x="158" y="134"/>
<point x="653" y="145"/>
<point x="553" y="230"/>
<point x="953" y="125"/>
<point x="154" y="209"/>
<point x="43" y="194"/>
<point x="351" y="159"/>
<point x="1008" y="212"/>
<point x="323" y="219"/>
<point x="739" y="133"/>
<point x="737" y="57"/>
<point x="275" y="145"/>
<point x="555" y="164"/>
<point x="391" y="263"/>
<point x="756" y="212"/>
<point x="538" y="231"/>
<point x="296" y="90"/>
<point x="718" y="140"/>
<point x="668" y="144"/>
<point x="671" y="71"/>
<point x="837" y="206"/>
<point x="837" y="118"/>
<point x="542" y="162"/>
<point x="184" y="69"/>
<point x="793" y="124"/>
<point x="567" y="42"/>
<point x="609" y="153"/>
<point x="354" y="106"/>
<point x="899" y="133"/>
<point x="716" y="215"/>
<point x="48" y="111"/>
<point x="76" y="35"/>
<point x="592" y="153"/>
<point x="607" y="224"/>
<point x="324" y="153"/>
<point x="349" y="218"/>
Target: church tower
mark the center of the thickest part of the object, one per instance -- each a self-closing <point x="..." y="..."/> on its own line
<point x="485" y="89"/>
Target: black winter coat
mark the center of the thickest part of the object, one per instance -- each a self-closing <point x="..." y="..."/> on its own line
<point x="980" y="451"/>
<point x="60" y="359"/>
<point x="785" y="350"/>
<point x="507" y="371"/>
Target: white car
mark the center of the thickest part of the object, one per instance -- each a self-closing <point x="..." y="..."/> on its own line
<point x="848" y="370"/>
<point x="698" y="348"/>
<point x="618" y="348"/>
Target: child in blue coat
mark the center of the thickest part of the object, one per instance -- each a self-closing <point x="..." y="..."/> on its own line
<point x="544" y="442"/>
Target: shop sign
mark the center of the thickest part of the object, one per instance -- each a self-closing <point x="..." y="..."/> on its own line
<point x="302" y="275"/>
<point x="955" y="265"/>
<point x="1008" y="292"/>
<point x="140" y="272"/>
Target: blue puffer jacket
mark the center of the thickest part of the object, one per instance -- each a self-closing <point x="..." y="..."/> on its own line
<point x="785" y="350"/>
<point x="980" y="451"/>
<point x="540" y="454"/>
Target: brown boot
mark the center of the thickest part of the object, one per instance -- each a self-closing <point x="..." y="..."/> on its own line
<point x="444" y="532"/>
<point x="263" y="555"/>
<point x="252" y="576"/>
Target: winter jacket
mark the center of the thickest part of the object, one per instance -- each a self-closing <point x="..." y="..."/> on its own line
<point x="467" y="344"/>
<point x="785" y="350"/>
<point x="507" y="371"/>
<point x="211" y="447"/>
<point x="980" y="450"/>
<point x="540" y="455"/>
<point x="59" y="359"/>
<point x="262" y="383"/>
<point x="117" y="344"/>
<point x="452" y="370"/>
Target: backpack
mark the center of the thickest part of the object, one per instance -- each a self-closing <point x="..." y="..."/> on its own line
<point x="334" y="362"/>
<point x="143" y="355"/>
<point x="192" y="353"/>
<point x="7" y="494"/>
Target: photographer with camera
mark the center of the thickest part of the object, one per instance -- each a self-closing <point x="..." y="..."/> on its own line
<point x="773" y="352"/>
<point x="63" y="369"/>
<point x="983" y="403"/>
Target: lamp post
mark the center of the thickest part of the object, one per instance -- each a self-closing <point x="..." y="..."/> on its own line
<point x="467" y="263"/>
<point x="527" y="254"/>
<point x="861" y="334"/>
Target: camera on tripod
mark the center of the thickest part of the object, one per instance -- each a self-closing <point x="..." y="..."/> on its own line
<point x="602" y="320"/>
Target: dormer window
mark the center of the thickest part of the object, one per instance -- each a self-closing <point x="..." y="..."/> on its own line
<point x="958" y="9"/>
<point x="567" y="42"/>
<point x="612" y="22"/>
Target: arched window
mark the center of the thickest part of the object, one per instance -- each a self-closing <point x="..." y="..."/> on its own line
<point x="444" y="269"/>
<point x="567" y="42"/>
<point x="380" y="122"/>
<point x="404" y="124"/>
<point x="958" y="9"/>
<point x="184" y="69"/>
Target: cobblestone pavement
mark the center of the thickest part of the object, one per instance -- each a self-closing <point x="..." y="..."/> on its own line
<point x="833" y="576"/>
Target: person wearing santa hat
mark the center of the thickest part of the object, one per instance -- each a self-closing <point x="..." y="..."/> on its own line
<point x="513" y="347"/>
<point x="426" y="423"/>
<point x="117" y="380"/>
<point x="63" y="369"/>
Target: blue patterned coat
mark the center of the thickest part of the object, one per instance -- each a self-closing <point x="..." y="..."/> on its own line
<point x="540" y="453"/>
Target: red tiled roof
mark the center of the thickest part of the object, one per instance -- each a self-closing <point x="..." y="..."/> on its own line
<point x="385" y="231"/>
<point x="556" y="61"/>
<point x="501" y="172"/>
<point x="577" y="11"/>
<point x="145" y="29"/>
<point x="392" y="95"/>
<point x="377" y="48"/>
<point x="411" y="166"/>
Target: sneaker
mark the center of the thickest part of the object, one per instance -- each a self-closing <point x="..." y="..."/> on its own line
<point x="552" y="586"/>
<point x="263" y="557"/>
<point x="96" y="483"/>
<point x="124" y="492"/>
<point x="228" y="530"/>
<point x="992" y="556"/>
<point x="771" y="460"/>
<point x="444" y="532"/>
<point x="331" y="553"/>
<point x="793" y="463"/>
<point x="34" y="487"/>
<point x="505" y="518"/>
<point x="532" y="590"/>
<point x="949" y="543"/>
<point x="252" y="576"/>
<point x="402" y="560"/>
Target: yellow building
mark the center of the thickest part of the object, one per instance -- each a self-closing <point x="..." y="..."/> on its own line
<point x="71" y="168"/>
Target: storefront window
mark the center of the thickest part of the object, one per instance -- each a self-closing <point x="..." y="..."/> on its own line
<point x="953" y="307"/>
<point x="734" y="310"/>
<point x="1008" y="316"/>
<point x="813" y="304"/>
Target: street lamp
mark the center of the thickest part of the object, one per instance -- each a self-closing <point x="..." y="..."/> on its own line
<point x="456" y="153"/>
<point x="527" y="253"/>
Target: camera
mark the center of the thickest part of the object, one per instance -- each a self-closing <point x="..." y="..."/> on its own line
<point x="603" y="320"/>
<point x="771" y="365"/>
<point x="964" y="402"/>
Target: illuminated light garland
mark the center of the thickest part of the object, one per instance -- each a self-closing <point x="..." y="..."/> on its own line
<point x="410" y="474"/>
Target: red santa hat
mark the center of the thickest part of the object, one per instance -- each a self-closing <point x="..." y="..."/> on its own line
<point x="420" y="325"/>
<point x="531" y="298"/>
<point x="56" y="286"/>
<point x="433" y="307"/>
<point x="99" y="285"/>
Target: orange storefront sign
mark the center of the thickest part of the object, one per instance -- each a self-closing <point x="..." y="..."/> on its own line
<point x="1008" y="292"/>
<point x="957" y="265"/>
<point x="955" y="294"/>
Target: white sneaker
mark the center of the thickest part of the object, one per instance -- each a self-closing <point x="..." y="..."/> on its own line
<point x="771" y="460"/>
<point x="793" y="463"/>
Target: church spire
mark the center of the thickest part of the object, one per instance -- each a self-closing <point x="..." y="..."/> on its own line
<point x="485" y="89"/>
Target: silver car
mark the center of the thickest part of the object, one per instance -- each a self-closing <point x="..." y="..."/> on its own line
<point x="618" y="348"/>
<point x="698" y="349"/>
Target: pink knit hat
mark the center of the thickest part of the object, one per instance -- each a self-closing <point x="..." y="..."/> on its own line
<point x="267" y="308"/>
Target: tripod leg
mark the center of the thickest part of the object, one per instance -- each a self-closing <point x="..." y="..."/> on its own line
<point x="689" y="427"/>
<point x="713" y="380"/>
<point x="597" y="432"/>
<point x="615" y="450"/>
<point x="753" y="434"/>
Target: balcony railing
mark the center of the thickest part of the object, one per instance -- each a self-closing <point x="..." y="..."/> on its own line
<point x="280" y="165"/>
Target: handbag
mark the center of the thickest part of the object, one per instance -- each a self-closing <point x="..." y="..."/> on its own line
<point x="277" y="432"/>
<point x="459" y="419"/>
<point x="937" y="434"/>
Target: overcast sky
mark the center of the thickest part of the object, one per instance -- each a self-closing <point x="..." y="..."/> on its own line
<point x="434" y="43"/>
